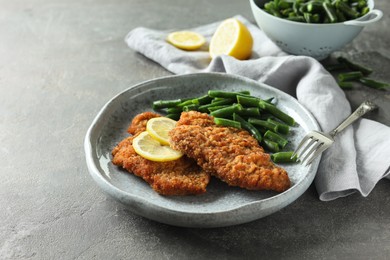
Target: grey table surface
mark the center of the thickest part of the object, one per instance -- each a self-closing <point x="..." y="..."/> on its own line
<point x="60" y="62"/>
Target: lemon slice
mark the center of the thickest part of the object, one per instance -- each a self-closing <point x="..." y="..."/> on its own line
<point x="151" y="149"/>
<point x="159" y="128"/>
<point x="186" y="40"/>
<point x="231" y="38"/>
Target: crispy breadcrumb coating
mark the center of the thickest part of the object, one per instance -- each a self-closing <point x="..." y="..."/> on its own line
<point x="179" y="177"/>
<point x="138" y="124"/>
<point x="230" y="154"/>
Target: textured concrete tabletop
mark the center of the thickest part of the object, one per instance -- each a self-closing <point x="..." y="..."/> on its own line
<point x="60" y="62"/>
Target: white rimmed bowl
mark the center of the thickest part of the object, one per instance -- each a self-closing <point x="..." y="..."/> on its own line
<point x="314" y="40"/>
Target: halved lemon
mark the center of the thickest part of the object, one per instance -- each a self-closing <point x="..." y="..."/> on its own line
<point x="186" y="40"/>
<point x="149" y="148"/>
<point x="159" y="128"/>
<point x="231" y="38"/>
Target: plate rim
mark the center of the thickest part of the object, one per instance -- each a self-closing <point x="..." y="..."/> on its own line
<point x="113" y="190"/>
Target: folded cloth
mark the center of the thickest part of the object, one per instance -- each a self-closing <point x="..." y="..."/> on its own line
<point x="355" y="162"/>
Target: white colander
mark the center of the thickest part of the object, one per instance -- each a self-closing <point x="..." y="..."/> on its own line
<point x="315" y="40"/>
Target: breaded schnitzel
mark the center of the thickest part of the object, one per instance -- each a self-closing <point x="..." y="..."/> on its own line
<point x="230" y="154"/>
<point x="179" y="177"/>
<point x="138" y="124"/>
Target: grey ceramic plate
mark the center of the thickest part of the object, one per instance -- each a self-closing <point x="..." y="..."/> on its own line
<point x="222" y="205"/>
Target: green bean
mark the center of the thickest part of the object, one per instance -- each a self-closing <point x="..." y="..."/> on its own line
<point x="249" y="127"/>
<point x="261" y="130"/>
<point x="286" y="12"/>
<point x="272" y="109"/>
<point x="186" y="99"/>
<point x="173" y="116"/>
<point x="335" y="67"/>
<point x="217" y="99"/>
<point x="204" y="99"/>
<point x="330" y="12"/>
<point x="204" y="108"/>
<point x="211" y="109"/>
<point x="362" y="4"/>
<point x="284" y="157"/>
<point x="227" y="122"/>
<point x="354" y="66"/>
<point x="296" y="18"/>
<point x="281" y="141"/>
<point x="348" y="76"/>
<point x="345" y="85"/>
<point x="226" y="112"/>
<point x="268" y="6"/>
<point x="314" y="6"/>
<point x="265" y="115"/>
<point x="272" y="9"/>
<point x="249" y="111"/>
<point x="226" y="94"/>
<point x="283" y="5"/>
<point x="302" y="8"/>
<point x="365" y="11"/>
<point x="248" y="101"/>
<point x="311" y="18"/>
<point x="174" y="110"/>
<point x="316" y="18"/>
<point x="159" y="104"/>
<point x="270" y="146"/>
<point x="267" y="125"/>
<point x="281" y="128"/>
<point x="347" y="10"/>
<point x="374" y="83"/>
<point x="269" y="100"/>
<point x="244" y="92"/>
<point x="340" y="16"/>
<point x="191" y="107"/>
<point x="296" y="6"/>
<point x="188" y="102"/>
<point x="326" y="20"/>
<point x="308" y="17"/>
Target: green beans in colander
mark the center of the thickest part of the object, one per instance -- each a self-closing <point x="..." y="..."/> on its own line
<point x="317" y="11"/>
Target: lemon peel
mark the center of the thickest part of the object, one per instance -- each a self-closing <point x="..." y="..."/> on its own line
<point x="149" y="148"/>
<point x="231" y="38"/>
<point x="186" y="40"/>
<point x="159" y="128"/>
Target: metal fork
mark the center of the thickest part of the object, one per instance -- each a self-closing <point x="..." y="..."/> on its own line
<point x="314" y="143"/>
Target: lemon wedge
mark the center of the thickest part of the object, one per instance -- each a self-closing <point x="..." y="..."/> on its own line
<point x="149" y="148"/>
<point x="159" y="128"/>
<point x="186" y="40"/>
<point x="231" y="38"/>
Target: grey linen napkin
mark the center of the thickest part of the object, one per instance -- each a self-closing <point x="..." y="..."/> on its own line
<point x="361" y="155"/>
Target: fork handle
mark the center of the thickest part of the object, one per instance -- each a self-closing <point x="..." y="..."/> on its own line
<point x="365" y="107"/>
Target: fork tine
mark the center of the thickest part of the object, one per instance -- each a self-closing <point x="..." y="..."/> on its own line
<point x="300" y="146"/>
<point x="307" y="147"/>
<point x="312" y="150"/>
<point x="318" y="152"/>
